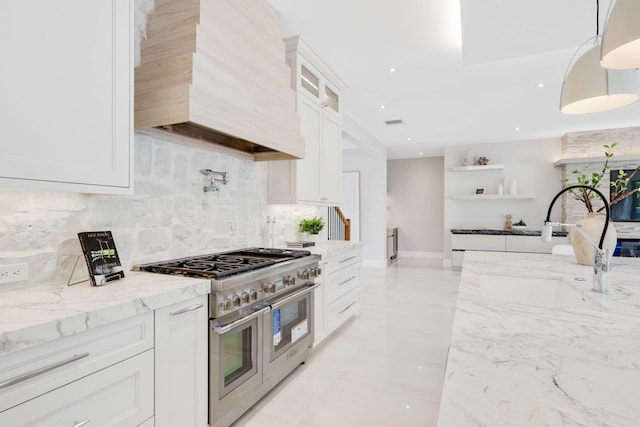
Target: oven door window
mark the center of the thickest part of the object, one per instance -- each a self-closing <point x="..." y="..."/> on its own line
<point x="290" y="323"/>
<point x="238" y="356"/>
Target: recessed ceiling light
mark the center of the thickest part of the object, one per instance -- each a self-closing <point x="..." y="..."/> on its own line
<point x="382" y="107"/>
<point x="409" y="139"/>
<point x="540" y="84"/>
<point x="393" y="69"/>
<point x="517" y="129"/>
<point x="420" y="154"/>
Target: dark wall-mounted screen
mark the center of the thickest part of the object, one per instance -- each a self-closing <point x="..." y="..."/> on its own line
<point x="627" y="209"/>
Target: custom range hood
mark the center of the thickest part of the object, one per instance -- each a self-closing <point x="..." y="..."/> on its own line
<point x="215" y="70"/>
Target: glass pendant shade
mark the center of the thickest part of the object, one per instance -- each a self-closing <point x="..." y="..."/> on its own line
<point x="589" y="88"/>
<point x="621" y="36"/>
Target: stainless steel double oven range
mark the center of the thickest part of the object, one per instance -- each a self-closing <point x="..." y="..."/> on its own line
<point x="261" y="321"/>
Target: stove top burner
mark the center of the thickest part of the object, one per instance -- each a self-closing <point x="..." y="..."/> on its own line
<point x="220" y="265"/>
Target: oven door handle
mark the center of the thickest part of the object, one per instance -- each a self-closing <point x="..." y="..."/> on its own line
<point x="221" y="329"/>
<point x="291" y="297"/>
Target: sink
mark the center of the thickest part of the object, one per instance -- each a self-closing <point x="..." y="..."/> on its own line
<point x="553" y="293"/>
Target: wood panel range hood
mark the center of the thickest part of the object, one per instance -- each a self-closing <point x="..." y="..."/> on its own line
<point x="215" y="70"/>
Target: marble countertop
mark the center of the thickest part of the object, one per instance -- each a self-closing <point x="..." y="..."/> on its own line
<point x="518" y="362"/>
<point x="491" y="232"/>
<point x="329" y="248"/>
<point x="36" y="315"/>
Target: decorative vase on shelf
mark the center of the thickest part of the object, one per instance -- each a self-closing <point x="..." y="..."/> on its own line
<point x="500" y="188"/>
<point x="514" y="188"/>
<point x="469" y="158"/>
<point x="593" y="225"/>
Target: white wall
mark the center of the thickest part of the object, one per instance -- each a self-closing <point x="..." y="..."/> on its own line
<point x="169" y="216"/>
<point x="530" y="163"/>
<point x="373" y="185"/>
<point x="416" y="205"/>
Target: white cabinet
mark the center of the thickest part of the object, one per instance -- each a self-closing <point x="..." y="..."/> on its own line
<point x="316" y="179"/>
<point x="500" y="243"/>
<point x="104" y="375"/>
<point x="65" y="95"/>
<point x="181" y="364"/>
<point x="338" y="299"/>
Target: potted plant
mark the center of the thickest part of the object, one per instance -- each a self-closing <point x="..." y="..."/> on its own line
<point x="312" y="227"/>
<point x="520" y="225"/>
<point x="594" y="222"/>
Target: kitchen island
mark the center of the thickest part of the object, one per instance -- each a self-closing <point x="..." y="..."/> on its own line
<point x="532" y="345"/>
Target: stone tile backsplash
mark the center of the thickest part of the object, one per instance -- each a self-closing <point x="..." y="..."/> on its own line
<point x="168" y="216"/>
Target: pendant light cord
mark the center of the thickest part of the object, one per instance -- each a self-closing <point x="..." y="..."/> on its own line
<point x="597" y="18"/>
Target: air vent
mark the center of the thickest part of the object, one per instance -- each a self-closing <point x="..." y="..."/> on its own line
<point x="394" y="122"/>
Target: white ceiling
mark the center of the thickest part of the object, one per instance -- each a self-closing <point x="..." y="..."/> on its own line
<point x="468" y="71"/>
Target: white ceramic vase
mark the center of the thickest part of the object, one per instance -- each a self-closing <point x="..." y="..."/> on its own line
<point x="593" y="225"/>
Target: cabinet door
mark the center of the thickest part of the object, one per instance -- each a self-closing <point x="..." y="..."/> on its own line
<point x="65" y="98"/>
<point x="182" y="364"/>
<point x="308" y="169"/>
<point x="331" y="159"/>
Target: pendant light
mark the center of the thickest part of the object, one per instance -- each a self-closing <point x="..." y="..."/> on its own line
<point x="589" y="88"/>
<point x="621" y="36"/>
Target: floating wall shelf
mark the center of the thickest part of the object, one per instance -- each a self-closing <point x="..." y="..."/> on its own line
<point x="476" y="168"/>
<point x="596" y="159"/>
<point x="492" y="196"/>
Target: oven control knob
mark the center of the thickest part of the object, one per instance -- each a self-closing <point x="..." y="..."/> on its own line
<point x="253" y="295"/>
<point x="226" y="304"/>
<point x="305" y="274"/>
<point x="245" y="297"/>
<point x="270" y="288"/>
<point x="289" y="280"/>
<point x="316" y="272"/>
<point x="236" y="300"/>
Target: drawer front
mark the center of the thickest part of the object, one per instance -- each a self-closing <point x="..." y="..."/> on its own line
<point x="339" y="283"/>
<point x="341" y="310"/>
<point x="121" y="395"/>
<point x="533" y="244"/>
<point x="342" y="261"/>
<point x="36" y="370"/>
<point x="478" y="242"/>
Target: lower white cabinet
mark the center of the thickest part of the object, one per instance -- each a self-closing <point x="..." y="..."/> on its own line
<point x="121" y="395"/>
<point x="500" y="243"/>
<point x="181" y="364"/>
<point x="338" y="299"/>
<point x="146" y="370"/>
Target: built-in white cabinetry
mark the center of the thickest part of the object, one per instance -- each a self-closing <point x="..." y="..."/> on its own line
<point x="104" y="376"/>
<point x="316" y="179"/>
<point x="338" y="299"/>
<point x="66" y="101"/>
<point x="500" y="243"/>
<point x="114" y="374"/>
<point x="181" y="364"/>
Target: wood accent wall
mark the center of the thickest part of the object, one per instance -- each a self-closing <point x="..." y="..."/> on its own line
<point x="215" y="70"/>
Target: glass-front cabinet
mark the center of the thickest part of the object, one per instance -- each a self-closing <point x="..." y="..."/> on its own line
<point x="318" y="87"/>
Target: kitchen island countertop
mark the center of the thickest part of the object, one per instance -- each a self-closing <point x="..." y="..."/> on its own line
<point x="36" y="315"/>
<point x="520" y="360"/>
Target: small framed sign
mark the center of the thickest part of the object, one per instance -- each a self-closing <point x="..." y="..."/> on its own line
<point x="101" y="257"/>
<point x="479" y="191"/>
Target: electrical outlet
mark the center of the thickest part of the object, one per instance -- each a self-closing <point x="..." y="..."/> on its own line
<point x="10" y="273"/>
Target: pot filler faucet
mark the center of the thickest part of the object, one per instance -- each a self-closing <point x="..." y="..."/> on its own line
<point x="601" y="262"/>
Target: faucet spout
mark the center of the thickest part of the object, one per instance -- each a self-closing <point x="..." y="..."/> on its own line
<point x="601" y="262"/>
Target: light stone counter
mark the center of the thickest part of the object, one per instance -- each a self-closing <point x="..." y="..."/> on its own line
<point x="514" y="362"/>
<point x="37" y="315"/>
<point x="329" y="248"/>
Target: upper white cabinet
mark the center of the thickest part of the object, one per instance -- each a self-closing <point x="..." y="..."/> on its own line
<point x="65" y="95"/>
<point x="316" y="179"/>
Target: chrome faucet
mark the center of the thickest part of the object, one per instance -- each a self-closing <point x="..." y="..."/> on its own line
<point x="601" y="261"/>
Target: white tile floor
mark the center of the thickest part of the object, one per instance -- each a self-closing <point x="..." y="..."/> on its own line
<point x="384" y="368"/>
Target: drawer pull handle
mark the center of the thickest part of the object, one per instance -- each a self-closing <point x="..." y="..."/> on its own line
<point x="348" y="307"/>
<point x="184" y="310"/>
<point x="81" y="423"/>
<point x="347" y="259"/>
<point x="347" y="281"/>
<point x="35" y="373"/>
